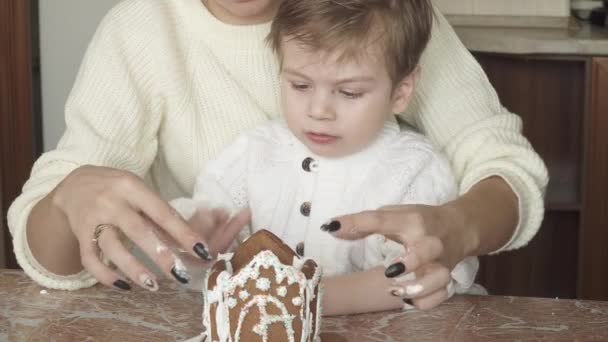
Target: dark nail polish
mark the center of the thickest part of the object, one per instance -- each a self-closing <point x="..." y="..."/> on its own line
<point x="408" y="301"/>
<point x="202" y="251"/>
<point x="180" y="275"/>
<point x="395" y="270"/>
<point x="121" y="284"/>
<point x="331" y="227"/>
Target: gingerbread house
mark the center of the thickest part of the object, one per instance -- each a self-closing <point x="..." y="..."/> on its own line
<point x="262" y="292"/>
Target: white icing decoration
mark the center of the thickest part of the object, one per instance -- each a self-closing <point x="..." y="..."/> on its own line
<point x="231" y="302"/>
<point x="259" y="329"/>
<point x="225" y="256"/>
<point x="282" y="291"/>
<point x="263" y="284"/>
<point x="227" y="284"/>
<point x="297" y="301"/>
<point x="243" y="294"/>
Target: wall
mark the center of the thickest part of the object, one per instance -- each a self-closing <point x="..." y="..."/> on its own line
<point x="551" y="8"/>
<point x="66" y="26"/>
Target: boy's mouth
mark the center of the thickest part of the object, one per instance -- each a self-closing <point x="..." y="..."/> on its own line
<point x="321" y="138"/>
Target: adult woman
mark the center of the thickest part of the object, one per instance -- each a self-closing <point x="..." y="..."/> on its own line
<point x="166" y="84"/>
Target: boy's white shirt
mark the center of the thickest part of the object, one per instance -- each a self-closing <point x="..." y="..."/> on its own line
<point x="263" y="170"/>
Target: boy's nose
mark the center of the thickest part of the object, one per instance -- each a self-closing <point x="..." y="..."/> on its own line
<point x="320" y="108"/>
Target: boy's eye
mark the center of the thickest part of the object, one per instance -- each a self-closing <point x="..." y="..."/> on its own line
<point x="351" y="94"/>
<point x="299" y="86"/>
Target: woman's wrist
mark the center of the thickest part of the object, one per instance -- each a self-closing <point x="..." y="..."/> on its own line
<point x="460" y="230"/>
<point x="484" y="218"/>
<point x="50" y="239"/>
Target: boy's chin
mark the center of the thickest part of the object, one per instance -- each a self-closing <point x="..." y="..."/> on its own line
<point x="328" y="151"/>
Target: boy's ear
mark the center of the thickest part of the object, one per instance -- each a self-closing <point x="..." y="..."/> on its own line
<point x="404" y="90"/>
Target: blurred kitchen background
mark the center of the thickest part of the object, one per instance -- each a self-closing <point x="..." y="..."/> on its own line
<point x="547" y="60"/>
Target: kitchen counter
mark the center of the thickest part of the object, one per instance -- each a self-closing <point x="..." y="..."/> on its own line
<point x="583" y="39"/>
<point x="31" y="313"/>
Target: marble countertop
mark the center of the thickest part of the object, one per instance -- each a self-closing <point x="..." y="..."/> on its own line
<point x="31" y="313"/>
<point x="583" y="40"/>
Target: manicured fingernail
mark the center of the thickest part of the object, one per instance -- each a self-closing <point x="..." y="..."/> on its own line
<point x="332" y="226"/>
<point x="202" y="251"/>
<point x="121" y="284"/>
<point x="395" y="270"/>
<point x="180" y="274"/>
<point x="397" y="292"/>
<point x="148" y="282"/>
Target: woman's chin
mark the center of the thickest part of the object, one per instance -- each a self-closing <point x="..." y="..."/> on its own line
<point x="251" y="11"/>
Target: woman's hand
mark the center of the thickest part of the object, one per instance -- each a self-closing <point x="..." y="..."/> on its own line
<point x="123" y="205"/>
<point x="435" y="240"/>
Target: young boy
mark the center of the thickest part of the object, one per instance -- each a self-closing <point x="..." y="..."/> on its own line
<point x="347" y="66"/>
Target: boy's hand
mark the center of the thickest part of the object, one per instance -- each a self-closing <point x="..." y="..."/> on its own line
<point x="218" y="228"/>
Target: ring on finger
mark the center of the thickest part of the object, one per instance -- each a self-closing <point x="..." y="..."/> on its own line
<point x="99" y="229"/>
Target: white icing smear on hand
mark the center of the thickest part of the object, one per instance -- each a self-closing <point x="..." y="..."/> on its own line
<point x="413" y="290"/>
<point x="161" y="248"/>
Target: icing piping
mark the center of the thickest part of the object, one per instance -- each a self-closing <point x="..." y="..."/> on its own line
<point x="223" y="295"/>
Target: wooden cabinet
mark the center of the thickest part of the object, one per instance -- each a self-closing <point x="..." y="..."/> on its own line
<point x="593" y="262"/>
<point x="563" y="102"/>
<point x="19" y="119"/>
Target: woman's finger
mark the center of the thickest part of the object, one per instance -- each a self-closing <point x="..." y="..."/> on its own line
<point x="359" y="225"/>
<point x="432" y="300"/>
<point x="418" y="253"/>
<point x="143" y="232"/>
<point x="111" y="246"/>
<point x="430" y="279"/>
<point x="160" y="212"/>
<point x="89" y="255"/>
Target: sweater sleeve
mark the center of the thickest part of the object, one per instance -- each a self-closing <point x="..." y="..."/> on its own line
<point x="112" y="120"/>
<point x="457" y="108"/>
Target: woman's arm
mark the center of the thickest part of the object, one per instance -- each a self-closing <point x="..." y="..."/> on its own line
<point x="437" y="238"/>
<point x="457" y="108"/>
<point x="51" y="240"/>
<point x="112" y="118"/>
<point x="487" y="213"/>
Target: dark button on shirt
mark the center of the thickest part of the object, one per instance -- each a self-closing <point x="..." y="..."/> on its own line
<point x="306" y="163"/>
<point x="305" y="209"/>
<point x="300" y="249"/>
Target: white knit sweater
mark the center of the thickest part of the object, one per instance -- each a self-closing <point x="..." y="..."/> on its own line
<point x="292" y="192"/>
<point x="164" y="86"/>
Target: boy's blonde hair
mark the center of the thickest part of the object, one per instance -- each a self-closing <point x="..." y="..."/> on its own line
<point x="402" y="27"/>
